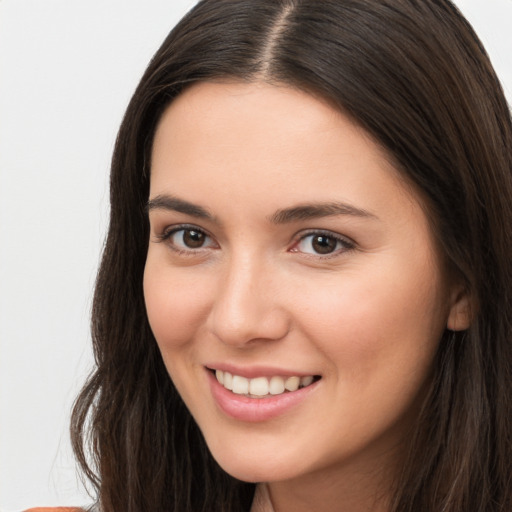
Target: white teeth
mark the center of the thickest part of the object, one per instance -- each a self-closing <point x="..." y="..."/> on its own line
<point x="292" y="383"/>
<point x="276" y="385"/>
<point x="306" y="381"/>
<point x="261" y="386"/>
<point x="240" y="385"/>
<point x="228" y="381"/>
<point x="258" y="386"/>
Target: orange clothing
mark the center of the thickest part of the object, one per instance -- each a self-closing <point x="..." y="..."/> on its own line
<point x="55" y="509"/>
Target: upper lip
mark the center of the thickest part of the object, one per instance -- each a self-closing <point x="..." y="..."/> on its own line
<point x="251" y="372"/>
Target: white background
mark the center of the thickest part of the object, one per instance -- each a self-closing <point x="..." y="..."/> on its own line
<point x="67" y="70"/>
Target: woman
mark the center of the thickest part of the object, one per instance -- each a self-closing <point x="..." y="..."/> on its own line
<point x="306" y="280"/>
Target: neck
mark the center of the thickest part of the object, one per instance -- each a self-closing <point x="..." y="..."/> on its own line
<point x="336" y="491"/>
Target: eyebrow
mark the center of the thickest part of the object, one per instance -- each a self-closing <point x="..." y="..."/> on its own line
<point x="167" y="202"/>
<point x="284" y="216"/>
<point x="318" y="210"/>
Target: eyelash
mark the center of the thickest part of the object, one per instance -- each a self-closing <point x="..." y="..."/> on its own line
<point x="345" y="243"/>
<point x="166" y="235"/>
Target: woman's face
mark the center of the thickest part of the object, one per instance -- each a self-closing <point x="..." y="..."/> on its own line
<point x="285" y="251"/>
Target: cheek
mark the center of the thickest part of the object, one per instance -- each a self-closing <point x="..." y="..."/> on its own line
<point x="176" y="304"/>
<point x="384" y="318"/>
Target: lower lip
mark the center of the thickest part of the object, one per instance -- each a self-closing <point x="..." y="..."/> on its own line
<point x="254" y="410"/>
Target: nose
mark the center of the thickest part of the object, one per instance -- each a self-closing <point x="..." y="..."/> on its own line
<point x="247" y="307"/>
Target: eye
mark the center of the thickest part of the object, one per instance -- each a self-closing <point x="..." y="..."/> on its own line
<point x="322" y="244"/>
<point x="185" y="238"/>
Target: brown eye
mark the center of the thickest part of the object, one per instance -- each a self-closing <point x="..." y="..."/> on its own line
<point x="193" y="239"/>
<point x="322" y="244"/>
<point x="188" y="239"/>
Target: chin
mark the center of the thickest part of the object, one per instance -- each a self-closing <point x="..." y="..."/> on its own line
<point x="255" y="473"/>
<point x="256" y="465"/>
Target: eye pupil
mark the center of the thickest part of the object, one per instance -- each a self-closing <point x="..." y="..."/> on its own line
<point x="323" y="244"/>
<point x="193" y="239"/>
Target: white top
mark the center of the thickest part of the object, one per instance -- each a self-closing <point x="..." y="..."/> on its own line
<point x="261" y="501"/>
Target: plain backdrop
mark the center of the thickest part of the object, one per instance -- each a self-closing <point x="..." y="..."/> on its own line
<point x="67" y="70"/>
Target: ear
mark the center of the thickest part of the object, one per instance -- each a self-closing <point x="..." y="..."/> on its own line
<point x="461" y="310"/>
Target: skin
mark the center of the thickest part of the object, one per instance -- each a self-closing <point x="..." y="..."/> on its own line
<point x="366" y="317"/>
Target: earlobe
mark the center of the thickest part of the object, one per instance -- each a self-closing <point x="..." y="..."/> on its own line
<point x="461" y="310"/>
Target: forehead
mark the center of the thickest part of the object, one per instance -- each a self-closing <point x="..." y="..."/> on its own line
<point x="280" y="143"/>
<point x="226" y="116"/>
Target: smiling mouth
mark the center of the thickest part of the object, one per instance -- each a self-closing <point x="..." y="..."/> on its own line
<point x="262" y="387"/>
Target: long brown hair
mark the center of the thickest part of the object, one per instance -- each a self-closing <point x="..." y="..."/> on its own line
<point x="415" y="76"/>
